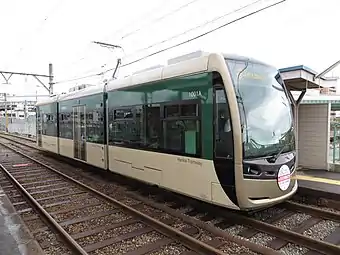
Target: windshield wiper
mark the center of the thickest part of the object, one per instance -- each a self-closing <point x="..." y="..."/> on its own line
<point x="277" y="155"/>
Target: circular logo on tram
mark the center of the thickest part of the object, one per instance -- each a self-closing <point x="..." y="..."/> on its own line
<point x="283" y="177"/>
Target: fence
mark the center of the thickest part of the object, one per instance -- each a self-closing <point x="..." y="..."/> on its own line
<point x="335" y="143"/>
<point x="19" y="126"/>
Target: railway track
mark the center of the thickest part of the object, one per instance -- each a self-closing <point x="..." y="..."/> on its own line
<point x="64" y="203"/>
<point x="287" y="226"/>
<point x="17" y="136"/>
<point x="330" y="201"/>
<point x="273" y="227"/>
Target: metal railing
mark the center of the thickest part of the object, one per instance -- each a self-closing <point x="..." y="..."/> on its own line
<point x="25" y="127"/>
<point x="335" y="142"/>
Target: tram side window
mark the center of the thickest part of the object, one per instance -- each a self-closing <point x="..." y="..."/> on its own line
<point x="126" y="126"/>
<point x="110" y="126"/>
<point x="95" y="120"/>
<point x="223" y="134"/>
<point x="66" y="125"/>
<point x="38" y="121"/>
<point x="139" y="128"/>
<point x="49" y="120"/>
<point x="173" y="128"/>
<point x="49" y="124"/>
<point x="181" y="128"/>
<point x="66" y="120"/>
<point x="153" y="126"/>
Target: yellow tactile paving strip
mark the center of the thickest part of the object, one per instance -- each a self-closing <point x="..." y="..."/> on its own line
<point x="317" y="179"/>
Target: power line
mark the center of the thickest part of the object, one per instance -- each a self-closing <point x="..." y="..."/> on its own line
<point x="39" y="27"/>
<point x="184" y="42"/>
<point x="141" y="18"/>
<point x="201" y="35"/>
<point x="147" y="14"/>
<point x="103" y="44"/>
<point x="199" y="26"/>
<point x="85" y="56"/>
<point x="79" y="78"/>
<point x="159" y="18"/>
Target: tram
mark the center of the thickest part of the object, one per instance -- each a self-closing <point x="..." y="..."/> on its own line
<point x="215" y="127"/>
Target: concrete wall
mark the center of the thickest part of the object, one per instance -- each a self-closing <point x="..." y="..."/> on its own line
<point x="313" y="135"/>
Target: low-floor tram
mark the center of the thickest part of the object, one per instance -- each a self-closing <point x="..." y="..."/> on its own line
<point x="215" y="127"/>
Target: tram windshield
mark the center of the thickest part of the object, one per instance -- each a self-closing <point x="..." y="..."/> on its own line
<point x="265" y="110"/>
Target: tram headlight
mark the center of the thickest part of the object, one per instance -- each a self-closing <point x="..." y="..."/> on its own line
<point x="250" y="169"/>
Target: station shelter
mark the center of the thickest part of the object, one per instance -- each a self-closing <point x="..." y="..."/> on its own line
<point x="312" y="116"/>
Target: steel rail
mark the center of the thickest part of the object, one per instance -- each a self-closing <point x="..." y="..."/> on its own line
<point x="30" y="139"/>
<point x="192" y="243"/>
<point x="316" y="212"/>
<point x="291" y="236"/>
<point x="242" y="242"/>
<point x="74" y="245"/>
<point x="288" y="235"/>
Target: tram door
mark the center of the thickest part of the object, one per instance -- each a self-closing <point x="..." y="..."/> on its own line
<point x="79" y="132"/>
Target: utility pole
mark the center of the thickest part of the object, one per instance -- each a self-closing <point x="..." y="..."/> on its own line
<point x="7" y="75"/>
<point x="25" y="109"/>
<point x="6" y="117"/>
<point x="36" y="76"/>
<point x="50" y="73"/>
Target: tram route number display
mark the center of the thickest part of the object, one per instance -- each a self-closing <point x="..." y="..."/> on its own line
<point x="195" y="93"/>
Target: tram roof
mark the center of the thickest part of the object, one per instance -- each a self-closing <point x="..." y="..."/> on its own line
<point x="49" y="100"/>
<point x="243" y="58"/>
<point x="92" y="90"/>
<point x="296" y="77"/>
<point x="191" y="63"/>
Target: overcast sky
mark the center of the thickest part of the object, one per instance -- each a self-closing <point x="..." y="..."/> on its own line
<point x="37" y="32"/>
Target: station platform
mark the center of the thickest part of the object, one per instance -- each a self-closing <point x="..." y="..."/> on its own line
<point x="15" y="238"/>
<point x="320" y="183"/>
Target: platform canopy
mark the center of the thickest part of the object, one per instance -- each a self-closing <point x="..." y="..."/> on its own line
<point x="299" y="78"/>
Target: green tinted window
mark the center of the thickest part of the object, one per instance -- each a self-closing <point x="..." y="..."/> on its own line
<point x="163" y="116"/>
<point x="94" y="106"/>
<point x="48" y="116"/>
